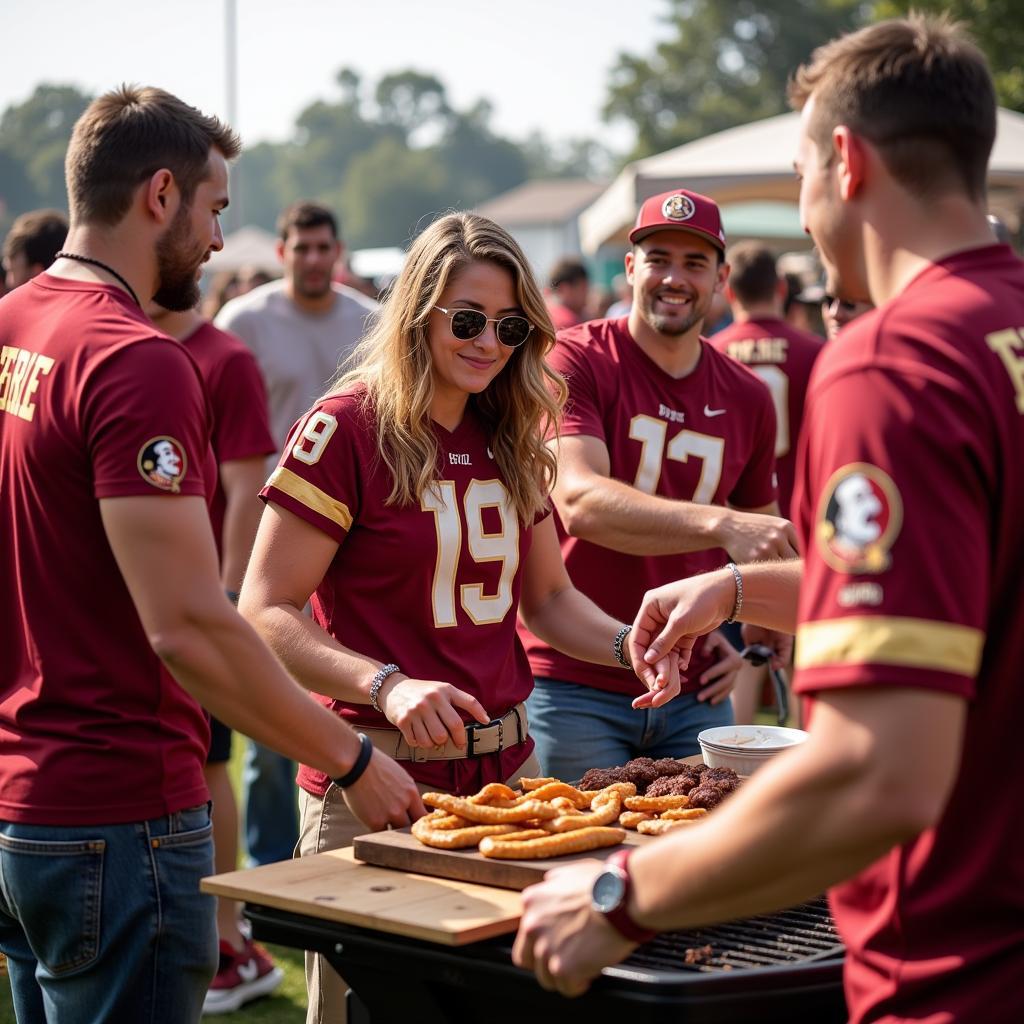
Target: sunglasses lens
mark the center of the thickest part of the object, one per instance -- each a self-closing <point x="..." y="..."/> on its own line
<point x="468" y="324"/>
<point x="513" y="330"/>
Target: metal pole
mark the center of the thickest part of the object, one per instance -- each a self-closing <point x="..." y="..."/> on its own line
<point x="234" y="211"/>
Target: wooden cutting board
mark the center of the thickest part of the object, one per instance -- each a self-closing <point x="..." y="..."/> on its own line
<point x="399" y="849"/>
<point x="336" y="887"/>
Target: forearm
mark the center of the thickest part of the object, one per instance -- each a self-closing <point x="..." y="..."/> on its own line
<point x="771" y="591"/>
<point x="618" y="516"/>
<point x="743" y="860"/>
<point x="571" y="623"/>
<point x="309" y="653"/>
<point x="217" y="658"/>
<point x="241" y="520"/>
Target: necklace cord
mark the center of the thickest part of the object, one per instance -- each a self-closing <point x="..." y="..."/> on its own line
<point x="102" y="266"/>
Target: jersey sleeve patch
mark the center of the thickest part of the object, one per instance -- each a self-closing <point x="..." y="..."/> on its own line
<point x="311" y="496"/>
<point x="163" y="463"/>
<point x="890" y="640"/>
<point x="859" y="519"/>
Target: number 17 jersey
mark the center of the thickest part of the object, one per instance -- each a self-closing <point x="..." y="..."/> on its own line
<point x="432" y="586"/>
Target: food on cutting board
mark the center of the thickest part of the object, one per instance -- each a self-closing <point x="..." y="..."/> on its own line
<point x="551" y="818"/>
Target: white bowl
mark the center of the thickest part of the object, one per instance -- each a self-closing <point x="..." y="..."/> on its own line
<point x="744" y="748"/>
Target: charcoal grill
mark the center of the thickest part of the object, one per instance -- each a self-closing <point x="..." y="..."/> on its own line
<point x="775" y="968"/>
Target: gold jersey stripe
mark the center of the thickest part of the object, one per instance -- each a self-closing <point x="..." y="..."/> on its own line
<point x="888" y="640"/>
<point x="311" y="496"/>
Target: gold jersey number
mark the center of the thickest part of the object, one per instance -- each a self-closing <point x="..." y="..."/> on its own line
<point x="653" y="436"/>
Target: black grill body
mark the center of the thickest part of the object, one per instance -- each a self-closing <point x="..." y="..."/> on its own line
<point x="775" y="969"/>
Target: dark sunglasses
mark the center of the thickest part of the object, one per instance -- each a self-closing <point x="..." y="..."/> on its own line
<point x="468" y="324"/>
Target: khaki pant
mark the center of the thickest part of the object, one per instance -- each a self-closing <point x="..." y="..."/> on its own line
<point x="328" y="824"/>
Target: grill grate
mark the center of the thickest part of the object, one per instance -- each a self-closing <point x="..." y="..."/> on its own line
<point x="801" y="934"/>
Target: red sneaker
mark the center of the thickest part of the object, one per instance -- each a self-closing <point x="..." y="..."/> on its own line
<point x="241" y="977"/>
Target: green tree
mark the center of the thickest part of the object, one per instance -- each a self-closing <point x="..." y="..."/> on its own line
<point x="997" y="27"/>
<point x="727" y="64"/>
<point x="410" y="102"/>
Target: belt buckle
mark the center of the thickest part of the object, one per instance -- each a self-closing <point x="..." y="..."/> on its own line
<point x="471" y="731"/>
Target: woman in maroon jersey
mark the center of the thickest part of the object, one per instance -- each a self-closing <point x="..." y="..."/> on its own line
<point x="411" y="502"/>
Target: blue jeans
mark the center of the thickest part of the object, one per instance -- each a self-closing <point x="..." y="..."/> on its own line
<point x="577" y="727"/>
<point x="106" y="923"/>
<point x="270" y="805"/>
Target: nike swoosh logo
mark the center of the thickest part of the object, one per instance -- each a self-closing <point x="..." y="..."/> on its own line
<point x="248" y="971"/>
<point x="711" y="413"/>
<point x="490" y="454"/>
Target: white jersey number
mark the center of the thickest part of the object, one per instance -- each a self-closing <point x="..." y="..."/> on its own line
<point x="501" y="546"/>
<point x="778" y="385"/>
<point x="317" y="430"/>
<point x="652" y="434"/>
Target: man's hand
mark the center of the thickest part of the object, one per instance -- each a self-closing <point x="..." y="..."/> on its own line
<point x="781" y="644"/>
<point x="384" y="795"/>
<point x="718" y="681"/>
<point x="426" y="711"/>
<point x="672" y="617"/>
<point x="561" y="938"/>
<point x="753" y="537"/>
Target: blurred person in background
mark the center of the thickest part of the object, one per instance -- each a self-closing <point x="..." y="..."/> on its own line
<point x="300" y="328"/>
<point x="623" y="297"/>
<point x="32" y="245"/>
<point x="783" y="357"/>
<point x="836" y="313"/>
<point x="222" y="289"/>
<point x="568" y="291"/>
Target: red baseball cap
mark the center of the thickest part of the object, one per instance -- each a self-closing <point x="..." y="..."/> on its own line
<point x="683" y="211"/>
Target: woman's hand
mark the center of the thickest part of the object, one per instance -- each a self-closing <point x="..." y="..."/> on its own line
<point x="425" y="710"/>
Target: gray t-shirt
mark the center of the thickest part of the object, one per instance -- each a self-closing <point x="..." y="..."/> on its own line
<point x="298" y="352"/>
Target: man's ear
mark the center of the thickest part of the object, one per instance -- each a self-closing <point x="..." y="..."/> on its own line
<point x="851" y="156"/>
<point x="629" y="263"/>
<point x="162" y="196"/>
<point x="723" y="277"/>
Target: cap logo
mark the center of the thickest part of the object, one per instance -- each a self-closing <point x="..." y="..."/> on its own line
<point x="678" y="207"/>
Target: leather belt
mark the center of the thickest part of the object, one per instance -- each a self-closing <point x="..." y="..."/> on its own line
<point x="498" y="734"/>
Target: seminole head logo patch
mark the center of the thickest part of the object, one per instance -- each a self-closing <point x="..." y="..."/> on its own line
<point x="859" y="519"/>
<point x="678" y="207"/>
<point x="162" y="462"/>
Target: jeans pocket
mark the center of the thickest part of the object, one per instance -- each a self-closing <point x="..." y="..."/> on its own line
<point x="56" y="890"/>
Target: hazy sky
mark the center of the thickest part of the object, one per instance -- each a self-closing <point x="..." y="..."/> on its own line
<point x="543" y="63"/>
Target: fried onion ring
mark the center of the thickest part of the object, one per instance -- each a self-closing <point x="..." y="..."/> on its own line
<point x="486" y="815"/>
<point x="659" y="826"/>
<point x="655" y="803"/>
<point x="683" y="814"/>
<point x="456" y="838"/>
<point x="579" y="841"/>
<point x="630" y="819"/>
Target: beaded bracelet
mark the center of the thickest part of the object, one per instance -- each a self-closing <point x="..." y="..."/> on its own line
<point x="620" y="639"/>
<point x="738" y="605"/>
<point x="378" y="681"/>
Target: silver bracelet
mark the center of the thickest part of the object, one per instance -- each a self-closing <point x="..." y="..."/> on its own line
<point x="620" y="639"/>
<point x="738" y="605"/>
<point x="378" y="681"/>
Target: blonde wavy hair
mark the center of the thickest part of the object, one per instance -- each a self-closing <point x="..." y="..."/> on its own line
<point x="520" y="407"/>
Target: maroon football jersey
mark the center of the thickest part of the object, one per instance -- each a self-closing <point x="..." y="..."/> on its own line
<point x="238" y="398"/>
<point x="433" y="586"/>
<point x="910" y="504"/>
<point x="94" y="403"/>
<point x="783" y="357"/>
<point x="708" y="437"/>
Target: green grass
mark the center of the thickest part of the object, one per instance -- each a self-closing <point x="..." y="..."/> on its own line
<point x="286" y="1006"/>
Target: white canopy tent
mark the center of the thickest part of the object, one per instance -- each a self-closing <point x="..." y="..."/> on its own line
<point x="754" y="164"/>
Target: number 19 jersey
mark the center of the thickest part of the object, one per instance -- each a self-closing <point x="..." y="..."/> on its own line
<point x="432" y="586"/>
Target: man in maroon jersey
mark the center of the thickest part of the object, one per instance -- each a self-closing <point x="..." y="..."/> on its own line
<point x="109" y="584"/>
<point x="782" y="356"/>
<point x="909" y="503"/>
<point x="665" y="469"/>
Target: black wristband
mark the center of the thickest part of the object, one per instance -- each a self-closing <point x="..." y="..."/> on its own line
<point x="355" y="773"/>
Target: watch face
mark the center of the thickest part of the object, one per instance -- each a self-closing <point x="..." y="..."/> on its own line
<point x="608" y="891"/>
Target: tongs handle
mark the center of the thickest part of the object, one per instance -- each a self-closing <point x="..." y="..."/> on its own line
<point x="761" y="654"/>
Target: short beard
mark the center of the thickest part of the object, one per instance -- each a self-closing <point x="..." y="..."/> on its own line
<point x="669" y="327"/>
<point x="177" y="270"/>
<point x="311" y="293"/>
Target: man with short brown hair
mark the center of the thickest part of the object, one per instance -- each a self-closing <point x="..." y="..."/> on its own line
<point x="908" y="611"/>
<point x="115" y="628"/>
<point x="32" y="245"/>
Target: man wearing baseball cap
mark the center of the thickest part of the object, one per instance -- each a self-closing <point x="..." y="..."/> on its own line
<point x="665" y="469"/>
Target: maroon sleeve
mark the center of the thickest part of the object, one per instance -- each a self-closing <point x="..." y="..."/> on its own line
<point x="896" y="535"/>
<point x="241" y="421"/>
<point x="146" y="421"/>
<point x="757" y="486"/>
<point x="318" y="478"/>
<point x="583" y="408"/>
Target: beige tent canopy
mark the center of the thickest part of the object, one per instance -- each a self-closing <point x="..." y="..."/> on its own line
<point x="753" y="164"/>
